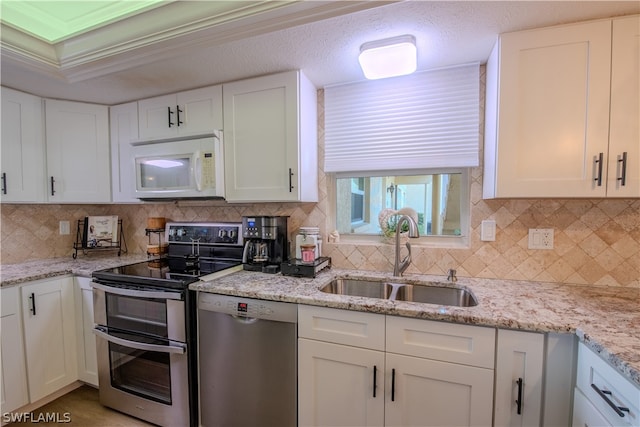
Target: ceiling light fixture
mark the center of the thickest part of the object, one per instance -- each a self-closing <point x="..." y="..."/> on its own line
<point x="391" y="57"/>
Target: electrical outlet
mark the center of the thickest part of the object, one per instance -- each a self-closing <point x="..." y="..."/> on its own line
<point x="65" y="228"/>
<point x="541" y="238"/>
<point x="488" y="230"/>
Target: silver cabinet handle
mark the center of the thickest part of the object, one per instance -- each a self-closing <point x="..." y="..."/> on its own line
<point x="599" y="161"/>
<point x="177" y="348"/>
<point x="623" y="171"/>
<point x="136" y="293"/>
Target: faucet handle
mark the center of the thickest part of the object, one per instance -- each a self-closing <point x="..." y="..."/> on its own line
<point x="451" y="275"/>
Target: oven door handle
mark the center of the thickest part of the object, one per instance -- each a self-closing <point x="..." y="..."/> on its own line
<point x="136" y="293"/>
<point x="176" y="348"/>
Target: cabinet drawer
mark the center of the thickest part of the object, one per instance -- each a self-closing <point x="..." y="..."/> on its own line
<point x="615" y="390"/>
<point x="464" y="344"/>
<point x="10" y="301"/>
<point x="352" y="328"/>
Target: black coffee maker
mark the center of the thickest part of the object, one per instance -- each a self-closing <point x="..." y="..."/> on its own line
<point x="265" y="243"/>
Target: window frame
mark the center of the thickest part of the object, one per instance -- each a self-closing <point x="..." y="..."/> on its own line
<point x="461" y="241"/>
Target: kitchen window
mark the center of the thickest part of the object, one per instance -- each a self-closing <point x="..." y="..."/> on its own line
<point x="404" y="144"/>
<point x="438" y="199"/>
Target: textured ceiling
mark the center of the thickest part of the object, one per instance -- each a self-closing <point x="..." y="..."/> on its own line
<point x="326" y="49"/>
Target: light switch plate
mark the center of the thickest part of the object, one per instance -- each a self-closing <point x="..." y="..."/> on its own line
<point x="65" y="228"/>
<point x="541" y="238"/>
<point x="488" y="230"/>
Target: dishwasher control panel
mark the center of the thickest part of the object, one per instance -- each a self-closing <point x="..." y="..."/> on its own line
<point x="248" y="307"/>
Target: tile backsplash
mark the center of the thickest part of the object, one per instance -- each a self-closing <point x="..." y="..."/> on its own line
<point x="597" y="241"/>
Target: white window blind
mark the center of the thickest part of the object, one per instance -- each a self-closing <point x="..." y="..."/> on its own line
<point x="426" y="120"/>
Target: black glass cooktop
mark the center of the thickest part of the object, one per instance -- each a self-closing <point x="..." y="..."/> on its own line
<point x="158" y="273"/>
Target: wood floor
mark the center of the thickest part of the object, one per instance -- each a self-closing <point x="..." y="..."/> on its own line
<point x="82" y="409"/>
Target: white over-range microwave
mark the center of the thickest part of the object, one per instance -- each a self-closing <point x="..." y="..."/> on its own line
<point x="180" y="169"/>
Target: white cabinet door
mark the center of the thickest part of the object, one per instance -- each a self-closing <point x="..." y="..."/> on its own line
<point x="552" y="112"/>
<point x="12" y="362"/>
<point x="519" y="378"/>
<point x="158" y="117"/>
<point x="624" y="134"/>
<point x="339" y="385"/>
<point x="423" y="392"/>
<point x="49" y="332"/>
<point x="193" y="112"/>
<point x="270" y="129"/>
<point x="585" y="414"/>
<point x="201" y="110"/>
<point x="85" y="339"/>
<point x="123" y="121"/>
<point x="78" y="162"/>
<point x="22" y="146"/>
<point x="614" y="396"/>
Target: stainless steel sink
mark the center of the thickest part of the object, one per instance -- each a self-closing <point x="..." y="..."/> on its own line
<point x="359" y="288"/>
<point x="437" y="295"/>
<point x="429" y="294"/>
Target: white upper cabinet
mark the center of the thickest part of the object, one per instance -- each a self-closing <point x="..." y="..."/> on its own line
<point x="548" y="129"/>
<point x="77" y="140"/>
<point x="22" y="146"/>
<point x="194" y="112"/>
<point x="271" y="143"/>
<point x="123" y="121"/>
<point x="623" y="178"/>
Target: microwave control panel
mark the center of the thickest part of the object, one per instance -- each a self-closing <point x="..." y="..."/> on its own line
<point x="208" y="177"/>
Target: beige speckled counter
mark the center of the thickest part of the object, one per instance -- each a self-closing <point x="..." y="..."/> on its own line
<point x="606" y="319"/>
<point x="14" y="274"/>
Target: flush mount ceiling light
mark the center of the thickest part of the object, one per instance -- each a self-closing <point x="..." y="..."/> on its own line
<point x="391" y="57"/>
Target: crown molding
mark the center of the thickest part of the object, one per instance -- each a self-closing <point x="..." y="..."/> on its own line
<point x="163" y="32"/>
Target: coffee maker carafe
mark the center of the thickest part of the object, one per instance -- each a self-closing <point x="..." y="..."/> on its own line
<point x="265" y="243"/>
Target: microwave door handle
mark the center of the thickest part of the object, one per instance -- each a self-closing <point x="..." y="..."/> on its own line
<point x="177" y="348"/>
<point x="136" y="293"/>
<point x="198" y="170"/>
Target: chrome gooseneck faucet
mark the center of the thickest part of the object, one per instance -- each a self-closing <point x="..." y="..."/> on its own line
<point x="400" y="266"/>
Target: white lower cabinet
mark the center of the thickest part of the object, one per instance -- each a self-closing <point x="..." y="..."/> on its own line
<point x="423" y="392"/>
<point x="49" y="335"/>
<point x="519" y="378"/>
<point x="85" y="339"/>
<point x="339" y="385"/>
<point x="585" y="414"/>
<point x="12" y="368"/>
<point x="603" y="397"/>
<point x="364" y="369"/>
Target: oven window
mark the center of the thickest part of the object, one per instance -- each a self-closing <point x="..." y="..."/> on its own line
<point x="141" y="372"/>
<point x="135" y="314"/>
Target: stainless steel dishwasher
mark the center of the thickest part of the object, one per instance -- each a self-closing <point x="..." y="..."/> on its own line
<point x="248" y="361"/>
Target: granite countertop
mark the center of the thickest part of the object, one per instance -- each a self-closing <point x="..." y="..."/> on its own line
<point x="14" y="274"/>
<point x="606" y="319"/>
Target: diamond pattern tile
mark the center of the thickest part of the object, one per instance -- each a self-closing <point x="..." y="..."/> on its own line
<point x="596" y="241"/>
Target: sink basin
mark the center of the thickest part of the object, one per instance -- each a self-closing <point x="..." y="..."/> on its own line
<point x="359" y="288"/>
<point x="436" y="295"/>
<point x="440" y="295"/>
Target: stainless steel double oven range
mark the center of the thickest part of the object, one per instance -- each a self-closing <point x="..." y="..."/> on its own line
<point x="145" y="318"/>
